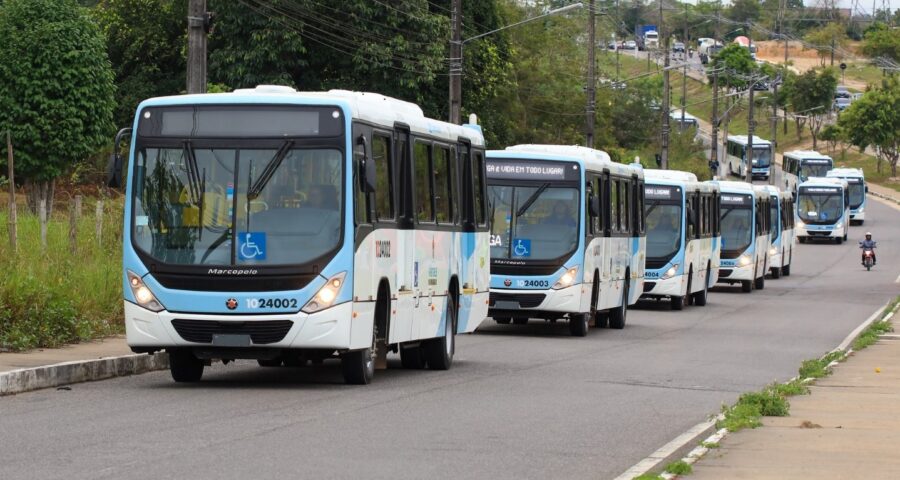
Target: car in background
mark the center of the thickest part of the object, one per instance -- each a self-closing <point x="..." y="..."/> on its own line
<point x="761" y="86"/>
<point x="841" y="103"/>
<point x="630" y="44"/>
<point x="842" y="92"/>
<point x="678" y="47"/>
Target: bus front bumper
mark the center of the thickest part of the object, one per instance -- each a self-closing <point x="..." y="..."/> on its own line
<point x="760" y="172"/>
<point x="674" y="286"/>
<point x="819" y="231"/>
<point x="331" y="328"/>
<point x="730" y="273"/>
<point x="775" y="259"/>
<point x="531" y="303"/>
<point x="858" y="215"/>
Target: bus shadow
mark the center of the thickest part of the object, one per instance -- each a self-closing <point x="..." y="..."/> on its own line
<point x="534" y="328"/>
<point x="727" y="289"/>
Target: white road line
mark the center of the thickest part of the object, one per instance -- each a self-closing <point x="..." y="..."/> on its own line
<point x="667" y="450"/>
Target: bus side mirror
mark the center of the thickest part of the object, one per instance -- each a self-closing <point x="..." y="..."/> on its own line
<point x="116" y="164"/>
<point x="867" y="189"/>
<point x="366" y="167"/>
<point x="594" y="206"/>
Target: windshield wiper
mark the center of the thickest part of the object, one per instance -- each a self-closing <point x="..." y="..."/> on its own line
<point x="195" y="185"/>
<point x="534" y="196"/>
<point x="267" y="172"/>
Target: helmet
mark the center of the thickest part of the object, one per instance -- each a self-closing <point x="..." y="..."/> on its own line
<point x="868" y="234"/>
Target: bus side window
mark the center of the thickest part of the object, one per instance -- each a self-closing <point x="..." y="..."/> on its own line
<point x="625" y="202"/>
<point x="384" y="179"/>
<point x="598" y="220"/>
<point x="614" y="205"/>
<point x="442" y="184"/>
<point x="423" y="188"/>
<point x="455" y="181"/>
<point x="478" y="172"/>
<point x="639" y="211"/>
<point x="361" y="205"/>
<point x="588" y="216"/>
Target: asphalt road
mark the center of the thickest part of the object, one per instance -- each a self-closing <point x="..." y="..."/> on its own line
<point x="520" y="402"/>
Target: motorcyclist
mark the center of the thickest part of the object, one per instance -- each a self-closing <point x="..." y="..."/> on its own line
<point x="868" y="244"/>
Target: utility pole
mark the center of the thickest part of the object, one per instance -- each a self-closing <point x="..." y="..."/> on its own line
<point x="591" y="82"/>
<point x="616" y="42"/>
<point x="198" y="23"/>
<point x="684" y="40"/>
<point x="455" y="61"/>
<point x="714" y="140"/>
<point x="11" y="220"/>
<point x="664" y="156"/>
<point x="750" y="124"/>
<point x="832" y="50"/>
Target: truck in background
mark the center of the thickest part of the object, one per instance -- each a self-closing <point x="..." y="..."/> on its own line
<point x="647" y="37"/>
<point x="708" y="48"/>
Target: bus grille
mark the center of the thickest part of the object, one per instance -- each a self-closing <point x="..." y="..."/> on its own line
<point x="648" y="286"/>
<point x="724" y="272"/>
<point x="525" y="300"/>
<point x="262" y="332"/>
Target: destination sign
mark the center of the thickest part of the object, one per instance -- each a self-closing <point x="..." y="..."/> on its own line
<point x="735" y="200"/>
<point x="816" y="161"/>
<point x="821" y="190"/>
<point x="532" y="170"/>
<point x="661" y="192"/>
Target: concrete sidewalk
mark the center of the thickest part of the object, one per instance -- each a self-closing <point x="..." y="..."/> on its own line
<point x="847" y="428"/>
<point x="84" y="362"/>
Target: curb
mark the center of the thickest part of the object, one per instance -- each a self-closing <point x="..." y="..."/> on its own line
<point x="684" y="447"/>
<point x="49" y="376"/>
<point x="882" y="196"/>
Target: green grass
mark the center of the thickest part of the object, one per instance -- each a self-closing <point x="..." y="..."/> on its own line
<point x="818" y="367"/>
<point x="710" y="445"/>
<point x="648" y="476"/>
<point x="771" y="401"/>
<point x="679" y="468"/>
<point x="739" y="417"/>
<point x="790" y="389"/>
<point x="871" y="334"/>
<point x="53" y="297"/>
<point x="863" y="72"/>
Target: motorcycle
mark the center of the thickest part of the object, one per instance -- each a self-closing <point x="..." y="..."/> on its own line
<point x="868" y="258"/>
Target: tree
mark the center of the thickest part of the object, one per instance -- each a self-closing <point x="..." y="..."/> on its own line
<point x="811" y="96"/>
<point x="874" y="120"/>
<point x="56" y="89"/>
<point x="744" y="10"/>
<point x="738" y="65"/>
<point x="882" y="41"/>
<point x="831" y="134"/>
<point x="832" y="34"/>
<point x="145" y="40"/>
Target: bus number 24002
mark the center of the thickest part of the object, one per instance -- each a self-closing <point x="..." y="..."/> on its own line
<point x="271" y="303"/>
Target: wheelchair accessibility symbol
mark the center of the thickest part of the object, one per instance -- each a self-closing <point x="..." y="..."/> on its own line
<point x="521" y="247"/>
<point x="252" y="246"/>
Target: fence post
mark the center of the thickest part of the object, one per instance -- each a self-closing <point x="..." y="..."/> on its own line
<point x="74" y="213"/>
<point x="12" y="220"/>
<point x="42" y="210"/>
<point x="99" y="222"/>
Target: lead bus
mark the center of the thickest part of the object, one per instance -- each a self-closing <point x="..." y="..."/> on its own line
<point x="744" y="222"/>
<point x="856" y="184"/>
<point x="823" y="209"/>
<point x="567" y="236"/>
<point x="781" y="233"/>
<point x="683" y="239"/>
<point x="286" y="227"/>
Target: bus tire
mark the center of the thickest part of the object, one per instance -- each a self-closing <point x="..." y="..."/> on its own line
<point x="412" y="357"/>
<point x="838" y="240"/>
<point x="786" y="270"/>
<point x="700" y="297"/>
<point x="578" y="324"/>
<point x="439" y="351"/>
<point x="746" y="286"/>
<point x="618" y="315"/>
<point x="677" y="302"/>
<point x="269" y="362"/>
<point x="520" y="320"/>
<point x="601" y="319"/>
<point x="760" y="282"/>
<point x="502" y="320"/>
<point x="802" y="239"/>
<point x="358" y="366"/>
<point x="185" y="367"/>
<point x="776" y="272"/>
<point x="688" y="298"/>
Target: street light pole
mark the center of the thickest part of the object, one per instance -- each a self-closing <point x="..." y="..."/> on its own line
<point x="456" y="50"/>
<point x="591" y="90"/>
<point x="664" y="155"/>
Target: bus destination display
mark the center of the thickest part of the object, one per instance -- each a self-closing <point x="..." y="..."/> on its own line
<point x="532" y="170"/>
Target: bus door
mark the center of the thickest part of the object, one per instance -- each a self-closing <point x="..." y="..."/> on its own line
<point x="401" y="324"/>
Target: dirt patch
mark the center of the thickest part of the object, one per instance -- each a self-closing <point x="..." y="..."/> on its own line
<point x="802" y="59"/>
<point x="808" y="424"/>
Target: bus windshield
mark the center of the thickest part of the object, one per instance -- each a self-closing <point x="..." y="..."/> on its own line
<point x="736" y="223"/>
<point x="823" y="205"/>
<point x="538" y="222"/>
<point x="664" y="221"/>
<point x="819" y="169"/>
<point x="281" y="204"/>
<point x="762" y="156"/>
<point x="857" y="192"/>
<point x="775" y="231"/>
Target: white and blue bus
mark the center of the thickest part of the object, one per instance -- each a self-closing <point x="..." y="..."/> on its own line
<point x="683" y="240"/>
<point x="288" y="227"/>
<point x="744" y="223"/>
<point x="799" y="165"/>
<point x="823" y="209"/>
<point x="856" y="182"/>
<point x="781" y="233"/>
<point x="567" y="236"/>
<point x="736" y="149"/>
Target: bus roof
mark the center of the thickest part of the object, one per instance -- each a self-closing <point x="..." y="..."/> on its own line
<point x="593" y="160"/>
<point x="371" y="107"/>
<point x="846" y="172"/>
<point x="676" y="114"/>
<point x="731" y="186"/>
<point x="804" y="154"/>
<point x="824" y="182"/>
<point x="742" y="139"/>
<point x="671" y="175"/>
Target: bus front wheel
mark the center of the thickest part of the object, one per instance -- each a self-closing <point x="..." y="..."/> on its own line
<point x="578" y="324"/>
<point x="838" y="240"/>
<point x="185" y="367"/>
<point x="358" y="366"/>
<point x="746" y="286"/>
<point x="760" y="282"/>
<point x="700" y="297"/>
<point x="618" y="315"/>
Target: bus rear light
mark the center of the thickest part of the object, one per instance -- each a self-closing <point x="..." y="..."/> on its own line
<point x="326" y="295"/>
<point x="142" y="294"/>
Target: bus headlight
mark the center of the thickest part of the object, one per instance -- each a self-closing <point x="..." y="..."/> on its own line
<point x="839" y="225"/>
<point x="744" y="260"/>
<point x="670" y="272"/>
<point x="773" y="251"/>
<point x="142" y="293"/>
<point x="567" y="279"/>
<point x="326" y="295"/>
